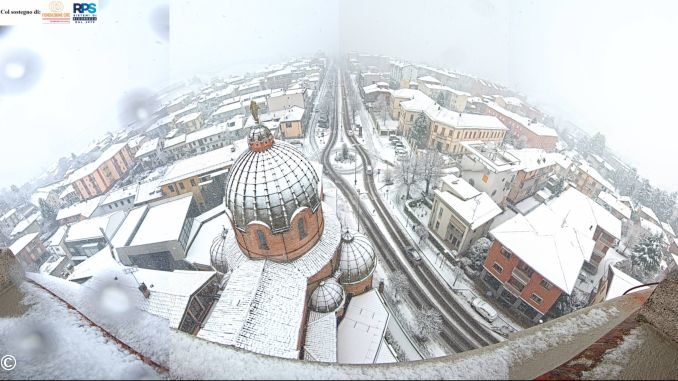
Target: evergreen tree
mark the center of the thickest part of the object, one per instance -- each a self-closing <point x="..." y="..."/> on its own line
<point x="646" y="257"/>
<point x="419" y="132"/>
<point x="48" y="213"/>
<point x="597" y="144"/>
<point x="477" y="253"/>
<point x="441" y="99"/>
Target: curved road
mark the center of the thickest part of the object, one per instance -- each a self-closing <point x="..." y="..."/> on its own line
<point x="460" y="330"/>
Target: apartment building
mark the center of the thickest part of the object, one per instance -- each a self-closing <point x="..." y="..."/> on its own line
<point x="281" y="100"/>
<point x="29" y="251"/>
<point x="10" y="219"/>
<point x="98" y="177"/>
<point x="454" y="100"/>
<point x="461" y="214"/>
<point x="203" y="175"/>
<point x="590" y="182"/>
<point x="448" y="129"/>
<point x="536" y="166"/>
<point x="538" y="256"/>
<point x="403" y="73"/>
<point x="150" y="154"/>
<point x="530" y="133"/>
<point x="191" y="122"/>
<point x="489" y="168"/>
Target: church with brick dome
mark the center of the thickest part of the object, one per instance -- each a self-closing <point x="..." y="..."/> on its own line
<point x="288" y="269"/>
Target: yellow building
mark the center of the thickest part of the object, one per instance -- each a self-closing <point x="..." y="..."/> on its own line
<point x="203" y="175"/>
<point x="291" y="124"/>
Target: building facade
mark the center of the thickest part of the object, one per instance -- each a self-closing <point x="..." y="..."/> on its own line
<point x="98" y="177"/>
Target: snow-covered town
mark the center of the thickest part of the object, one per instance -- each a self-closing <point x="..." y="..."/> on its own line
<point x="337" y="210"/>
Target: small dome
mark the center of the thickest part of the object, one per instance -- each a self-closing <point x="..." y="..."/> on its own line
<point x="217" y="257"/>
<point x="358" y="259"/>
<point x="260" y="138"/>
<point x="270" y="184"/>
<point x="327" y="297"/>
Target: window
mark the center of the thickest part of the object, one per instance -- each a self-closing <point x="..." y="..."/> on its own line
<point x="263" y="245"/>
<point x="537" y="299"/>
<point x="288" y="124"/>
<point x="440" y="212"/>
<point x="544" y="283"/>
<point x="411" y="117"/>
<point x="171" y="188"/>
<point x="437" y="224"/>
<point x="470" y="181"/>
<point x="505" y="253"/>
<point x="497" y="267"/>
<point x="301" y="226"/>
<point x="192" y="182"/>
<point x="494" y="192"/>
<point x="181" y="186"/>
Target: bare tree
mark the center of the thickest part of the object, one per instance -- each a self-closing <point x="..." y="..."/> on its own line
<point x="381" y="106"/>
<point x="428" y="322"/>
<point x="407" y="172"/>
<point x="432" y="167"/>
<point x="399" y="285"/>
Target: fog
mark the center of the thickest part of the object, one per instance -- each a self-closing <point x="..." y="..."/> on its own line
<point x="608" y="66"/>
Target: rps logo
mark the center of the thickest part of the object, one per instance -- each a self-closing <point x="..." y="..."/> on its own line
<point x="84" y="7"/>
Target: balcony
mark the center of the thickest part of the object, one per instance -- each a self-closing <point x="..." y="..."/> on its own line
<point x="521" y="275"/>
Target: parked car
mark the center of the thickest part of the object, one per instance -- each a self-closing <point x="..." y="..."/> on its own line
<point x="412" y="255"/>
<point x="484" y="309"/>
<point x="399" y="144"/>
<point x="400" y="151"/>
<point x="393" y="138"/>
<point x="368" y="170"/>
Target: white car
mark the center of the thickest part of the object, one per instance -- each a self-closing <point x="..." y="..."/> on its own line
<point x="484" y="309"/>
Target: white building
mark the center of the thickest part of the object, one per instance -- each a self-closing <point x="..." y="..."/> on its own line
<point x="461" y="214"/>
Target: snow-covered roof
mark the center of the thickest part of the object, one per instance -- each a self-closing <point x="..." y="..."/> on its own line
<point x="8" y="214"/>
<point x="177" y="140"/>
<point x="206" y="132"/>
<point x="612" y="201"/>
<point x="91" y="167"/>
<point x="85" y="209"/>
<point x="201" y="164"/>
<point x="68" y="190"/>
<point x="261" y="310"/>
<point x="321" y="337"/>
<point x="475" y="208"/>
<point x="57" y="237"/>
<point x="417" y="102"/>
<point x="650" y="213"/>
<point x="582" y="212"/>
<point x="594" y="174"/>
<point x="128" y="227"/>
<point x="205" y="228"/>
<point x="91" y="228"/>
<point x="228" y="108"/>
<point x="428" y="79"/>
<point x="25" y="224"/>
<point x="532" y="158"/>
<point x="536" y="128"/>
<point x="171" y="291"/>
<point x="103" y="260"/>
<point x="619" y="283"/>
<point x="120" y="194"/>
<point x="668" y="229"/>
<point x="495" y="158"/>
<point x="448" y="89"/>
<point x="51" y="264"/>
<point x="455" y="119"/>
<point x="163" y="222"/>
<point x="147" y="147"/>
<point x="360" y="333"/>
<point x="293" y="114"/>
<point x="148" y="191"/>
<point x="556" y="251"/>
<point x="189" y="117"/>
<point x="374" y="88"/>
<point x="651" y="227"/>
<point x="22" y="242"/>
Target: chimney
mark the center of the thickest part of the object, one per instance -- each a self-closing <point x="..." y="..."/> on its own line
<point x="144" y="290"/>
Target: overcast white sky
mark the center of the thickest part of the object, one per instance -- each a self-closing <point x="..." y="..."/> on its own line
<point x="609" y="66"/>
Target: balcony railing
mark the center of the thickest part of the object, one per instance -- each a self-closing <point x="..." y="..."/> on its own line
<point x="521" y="275"/>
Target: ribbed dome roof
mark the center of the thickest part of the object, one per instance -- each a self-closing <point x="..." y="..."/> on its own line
<point x="269" y="184"/>
<point x="217" y="257"/>
<point x="327" y="297"/>
<point x="358" y="259"/>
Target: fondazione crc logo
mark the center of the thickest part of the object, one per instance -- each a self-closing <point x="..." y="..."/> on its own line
<point x="56" y="14"/>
